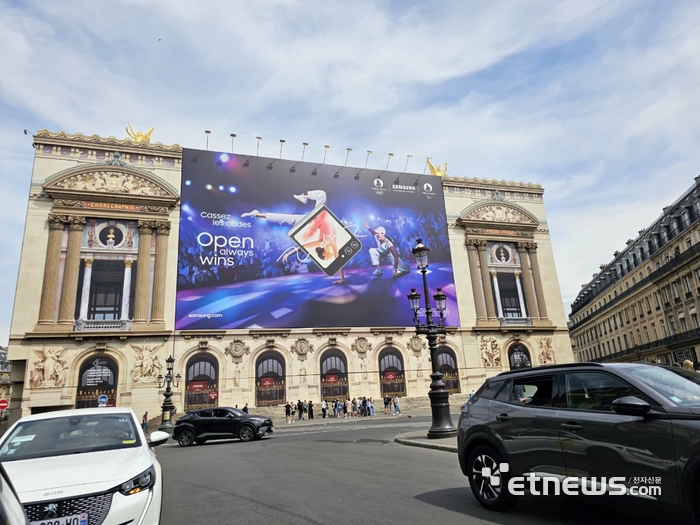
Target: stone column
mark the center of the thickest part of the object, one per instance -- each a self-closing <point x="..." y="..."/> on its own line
<point x="161" y="267"/>
<point x="53" y="257"/>
<point x="497" y="293"/>
<point x="126" y="289"/>
<point x="142" y="273"/>
<point x="477" y="287"/>
<point x="539" y="290"/>
<point x="71" y="270"/>
<point x="85" y="296"/>
<point x="518" y="284"/>
<point x="488" y="295"/>
<point x="527" y="277"/>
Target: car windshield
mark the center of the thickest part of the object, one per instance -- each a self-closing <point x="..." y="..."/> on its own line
<point x="69" y="435"/>
<point x="680" y="386"/>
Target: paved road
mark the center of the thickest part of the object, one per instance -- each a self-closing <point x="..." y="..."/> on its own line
<point x="344" y="472"/>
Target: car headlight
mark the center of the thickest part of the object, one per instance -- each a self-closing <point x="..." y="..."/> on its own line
<point x="141" y="482"/>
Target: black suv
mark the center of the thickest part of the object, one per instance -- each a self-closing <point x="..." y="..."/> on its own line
<point x="198" y="426"/>
<point x="634" y="422"/>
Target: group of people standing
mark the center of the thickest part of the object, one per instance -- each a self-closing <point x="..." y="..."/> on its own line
<point x="338" y="408"/>
<point x="299" y="410"/>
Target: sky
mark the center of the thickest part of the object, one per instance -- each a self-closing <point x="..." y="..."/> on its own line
<point x="596" y="101"/>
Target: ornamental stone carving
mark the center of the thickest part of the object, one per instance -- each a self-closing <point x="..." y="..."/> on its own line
<point x="302" y="347"/>
<point x="69" y="203"/>
<point x="498" y="213"/>
<point x="237" y="349"/>
<point x="546" y="355"/>
<point x="490" y="352"/>
<point x="50" y="370"/>
<point x="111" y="182"/>
<point x="147" y="366"/>
<point x="361" y="346"/>
<point x="417" y="344"/>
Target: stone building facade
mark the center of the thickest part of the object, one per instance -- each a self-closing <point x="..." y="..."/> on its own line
<point x="94" y="309"/>
<point x="643" y="305"/>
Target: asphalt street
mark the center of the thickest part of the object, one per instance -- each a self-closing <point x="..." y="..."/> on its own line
<point x="346" y="472"/>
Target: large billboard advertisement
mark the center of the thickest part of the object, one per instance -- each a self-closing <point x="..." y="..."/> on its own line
<point x="271" y="243"/>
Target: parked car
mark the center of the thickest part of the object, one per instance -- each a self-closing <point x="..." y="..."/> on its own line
<point x="11" y="510"/>
<point x="90" y="465"/>
<point x="634" y="421"/>
<point x="199" y="426"/>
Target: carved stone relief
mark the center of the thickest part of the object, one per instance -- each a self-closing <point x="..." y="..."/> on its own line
<point x="417" y="344"/>
<point x="237" y="349"/>
<point x="546" y="355"/>
<point x="498" y="213"/>
<point x="147" y="366"/>
<point x="111" y="182"/>
<point x="490" y="351"/>
<point x="302" y="347"/>
<point x="361" y="346"/>
<point x="50" y="370"/>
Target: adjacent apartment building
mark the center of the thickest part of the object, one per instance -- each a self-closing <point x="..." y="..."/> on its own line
<point x="643" y="305"/>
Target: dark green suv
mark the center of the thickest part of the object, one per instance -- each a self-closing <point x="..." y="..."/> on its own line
<point x="627" y="429"/>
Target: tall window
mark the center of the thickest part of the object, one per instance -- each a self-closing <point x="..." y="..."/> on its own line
<point x="509" y="295"/>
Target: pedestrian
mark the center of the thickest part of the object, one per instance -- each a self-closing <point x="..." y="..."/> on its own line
<point x="144" y="423"/>
<point x="245" y="408"/>
<point x="324" y="408"/>
<point x="300" y="409"/>
<point x="311" y="409"/>
<point x="387" y="406"/>
<point x="288" y="412"/>
<point x="370" y="406"/>
<point x="397" y="409"/>
<point x="293" y="406"/>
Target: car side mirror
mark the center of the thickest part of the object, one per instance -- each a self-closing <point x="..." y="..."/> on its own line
<point x="631" y="406"/>
<point x="157" y="438"/>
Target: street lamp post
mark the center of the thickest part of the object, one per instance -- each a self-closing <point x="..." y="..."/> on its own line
<point x="439" y="395"/>
<point x="166" y="424"/>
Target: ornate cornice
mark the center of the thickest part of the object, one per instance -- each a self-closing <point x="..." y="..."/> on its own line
<point x="62" y="138"/>
<point x="490" y="183"/>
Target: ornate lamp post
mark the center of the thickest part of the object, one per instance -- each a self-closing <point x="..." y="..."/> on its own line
<point x="166" y="424"/>
<point x="439" y="395"/>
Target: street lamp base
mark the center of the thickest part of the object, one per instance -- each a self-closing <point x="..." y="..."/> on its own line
<point x="442" y="426"/>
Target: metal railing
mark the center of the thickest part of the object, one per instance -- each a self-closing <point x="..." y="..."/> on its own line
<point x="91" y="325"/>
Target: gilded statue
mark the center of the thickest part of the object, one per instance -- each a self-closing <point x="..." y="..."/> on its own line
<point x="139" y="136"/>
<point x="439" y="171"/>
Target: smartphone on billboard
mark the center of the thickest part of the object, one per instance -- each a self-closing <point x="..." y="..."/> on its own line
<point x="325" y="240"/>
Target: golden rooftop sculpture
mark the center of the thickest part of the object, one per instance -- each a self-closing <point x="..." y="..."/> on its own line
<point x="439" y="171"/>
<point x="139" y="136"/>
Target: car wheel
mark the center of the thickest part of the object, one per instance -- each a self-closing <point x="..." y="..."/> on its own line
<point x="246" y="433"/>
<point x="185" y="438"/>
<point x="490" y="490"/>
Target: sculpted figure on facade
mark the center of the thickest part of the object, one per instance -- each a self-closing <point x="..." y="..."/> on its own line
<point x="50" y="370"/>
<point x="490" y="351"/>
<point x="111" y="182"/>
<point x="302" y="375"/>
<point x="147" y="366"/>
<point x="419" y="365"/>
<point x="546" y="355"/>
<point x="237" y="377"/>
<point x="363" y="369"/>
<point x="498" y="213"/>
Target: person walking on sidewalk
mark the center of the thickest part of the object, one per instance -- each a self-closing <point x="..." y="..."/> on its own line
<point x="245" y="408"/>
<point x="311" y="409"/>
<point x="288" y="412"/>
<point x="324" y="408"/>
<point x="144" y="423"/>
<point x="397" y="409"/>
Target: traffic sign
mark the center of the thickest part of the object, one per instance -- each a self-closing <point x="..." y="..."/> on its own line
<point x="102" y="400"/>
<point x="4" y="403"/>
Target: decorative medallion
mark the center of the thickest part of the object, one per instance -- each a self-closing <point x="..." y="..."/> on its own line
<point x="302" y="347"/>
<point x="417" y="344"/>
<point x="362" y="346"/>
<point x="237" y="349"/>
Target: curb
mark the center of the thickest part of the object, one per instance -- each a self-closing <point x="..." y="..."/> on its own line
<point x="419" y="439"/>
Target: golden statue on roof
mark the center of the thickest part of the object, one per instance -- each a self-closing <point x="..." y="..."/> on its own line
<point x="439" y="171"/>
<point x="139" y="136"/>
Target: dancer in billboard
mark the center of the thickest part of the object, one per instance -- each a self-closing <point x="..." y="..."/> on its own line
<point x="289" y="219"/>
<point x="385" y="249"/>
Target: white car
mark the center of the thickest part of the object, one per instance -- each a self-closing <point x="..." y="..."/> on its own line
<point x="90" y="466"/>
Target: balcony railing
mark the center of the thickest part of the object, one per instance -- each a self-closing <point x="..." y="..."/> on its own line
<point x="684" y="338"/>
<point x="92" y="325"/>
<point x="515" y="321"/>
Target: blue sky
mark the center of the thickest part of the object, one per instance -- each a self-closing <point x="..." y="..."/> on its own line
<point x="594" y="100"/>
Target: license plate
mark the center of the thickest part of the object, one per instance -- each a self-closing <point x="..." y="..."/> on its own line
<point x="78" y="519"/>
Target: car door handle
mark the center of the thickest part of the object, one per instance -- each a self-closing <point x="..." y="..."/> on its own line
<point x="503" y="417"/>
<point x="571" y="425"/>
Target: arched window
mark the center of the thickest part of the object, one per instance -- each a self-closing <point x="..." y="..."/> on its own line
<point x="391" y="373"/>
<point x="447" y="364"/>
<point x="270" y="379"/>
<point x="519" y="357"/>
<point x="334" y="376"/>
<point x="98" y="376"/>
<point x="201" y="385"/>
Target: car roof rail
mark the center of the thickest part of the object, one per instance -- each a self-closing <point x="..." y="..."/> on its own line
<point x="545" y="368"/>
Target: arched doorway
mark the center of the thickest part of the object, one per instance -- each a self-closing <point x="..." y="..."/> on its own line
<point x="447" y="364"/>
<point x="519" y="357"/>
<point x="202" y="383"/>
<point x="334" y="376"/>
<point x="269" y="379"/>
<point x="98" y="376"/>
<point x="391" y="373"/>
